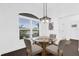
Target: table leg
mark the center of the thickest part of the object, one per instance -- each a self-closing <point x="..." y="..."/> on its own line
<point x="44" y="49"/>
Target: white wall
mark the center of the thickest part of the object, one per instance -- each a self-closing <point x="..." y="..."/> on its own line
<point x="9" y="35"/>
<point x="9" y="23"/>
<point x="65" y="27"/>
<point x="55" y="27"/>
<point x="44" y="30"/>
<point x="9" y="29"/>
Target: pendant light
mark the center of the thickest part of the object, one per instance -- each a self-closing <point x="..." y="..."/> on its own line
<point x="45" y="18"/>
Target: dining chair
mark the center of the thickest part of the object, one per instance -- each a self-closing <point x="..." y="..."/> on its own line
<point x="68" y="49"/>
<point x="60" y="47"/>
<point x="32" y="49"/>
<point x="54" y="48"/>
<point x="52" y="37"/>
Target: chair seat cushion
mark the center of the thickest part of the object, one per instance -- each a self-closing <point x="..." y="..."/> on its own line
<point x="36" y="49"/>
<point x="57" y="42"/>
<point x="52" y="49"/>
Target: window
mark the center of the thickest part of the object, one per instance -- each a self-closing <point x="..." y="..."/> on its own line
<point x="28" y="27"/>
<point x="35" y="28"/>
<point x="24" y="27"/>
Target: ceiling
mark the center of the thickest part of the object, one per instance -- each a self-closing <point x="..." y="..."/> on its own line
<point x="55" y="10"/>
<point x="62" y="10"/>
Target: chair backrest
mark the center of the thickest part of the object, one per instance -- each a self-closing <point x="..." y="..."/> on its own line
<point x="68" y="49"/>
<point x="52" y="36"/>
<point x="28" y="46"/>
<point x="27" y="43"/>
<point x="61" y="46"/>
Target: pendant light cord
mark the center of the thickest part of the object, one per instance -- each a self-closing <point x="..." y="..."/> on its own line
<point x="44" y="9"/>
<point x="45" y="19"/>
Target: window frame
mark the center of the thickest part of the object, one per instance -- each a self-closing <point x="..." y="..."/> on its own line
<point x="31" y="28"/>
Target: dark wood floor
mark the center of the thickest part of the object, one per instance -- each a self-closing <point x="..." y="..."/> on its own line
<point x="20" y="52"/>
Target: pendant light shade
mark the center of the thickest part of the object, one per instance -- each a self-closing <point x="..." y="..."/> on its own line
<point x="45" y="18"/>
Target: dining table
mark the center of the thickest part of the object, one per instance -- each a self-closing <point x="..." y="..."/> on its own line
<point x="43" y="41"/>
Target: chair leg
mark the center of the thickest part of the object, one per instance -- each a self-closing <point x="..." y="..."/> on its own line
<point x="29" y="52"/>
<point x="60" y="52"/>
